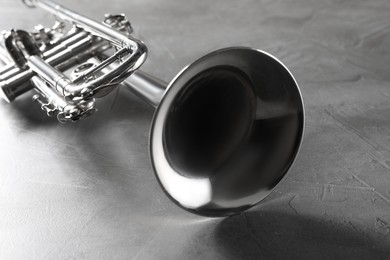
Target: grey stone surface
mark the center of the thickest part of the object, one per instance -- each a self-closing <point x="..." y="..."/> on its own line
<point x="87" y="190"/>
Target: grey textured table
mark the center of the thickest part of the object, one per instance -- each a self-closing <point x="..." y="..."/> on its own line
<point x="87" y="190"/>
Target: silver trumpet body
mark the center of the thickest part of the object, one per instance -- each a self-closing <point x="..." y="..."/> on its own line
<point x="226" y="129"/>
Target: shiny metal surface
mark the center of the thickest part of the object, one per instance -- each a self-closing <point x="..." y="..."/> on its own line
<point x="28" y="54"/>
<point x="226" y="129"/>
<point x="146" y="87"/>
<point x="87" y="190"/>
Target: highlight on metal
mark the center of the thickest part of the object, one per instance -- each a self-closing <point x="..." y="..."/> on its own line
<point x="225" y="131"/>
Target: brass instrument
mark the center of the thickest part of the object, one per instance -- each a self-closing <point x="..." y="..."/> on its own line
<point x="226" y="129"/>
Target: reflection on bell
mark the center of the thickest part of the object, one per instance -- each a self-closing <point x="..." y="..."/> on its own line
<point x="226" y="130"/>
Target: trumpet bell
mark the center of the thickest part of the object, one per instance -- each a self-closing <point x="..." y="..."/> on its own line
<point x="226" y="131"/>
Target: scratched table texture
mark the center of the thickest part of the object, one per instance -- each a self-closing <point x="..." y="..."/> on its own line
<point x="87" y="190"/>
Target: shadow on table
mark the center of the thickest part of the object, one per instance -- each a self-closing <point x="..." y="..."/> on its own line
<point x="276" y="235"/>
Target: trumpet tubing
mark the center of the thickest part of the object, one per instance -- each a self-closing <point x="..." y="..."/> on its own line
<point x="226" y="129"/>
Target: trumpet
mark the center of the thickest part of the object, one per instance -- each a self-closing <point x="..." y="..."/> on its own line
<point x="225" y="131"/>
